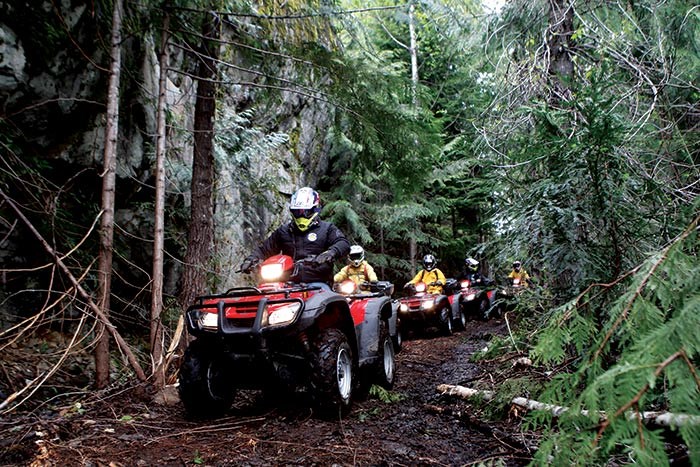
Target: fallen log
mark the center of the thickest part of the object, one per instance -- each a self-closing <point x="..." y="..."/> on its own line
<point x="657" y="418"/>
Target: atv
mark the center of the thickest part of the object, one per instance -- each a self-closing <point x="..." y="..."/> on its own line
<point x="421" y="310"/>
<point x="508" y="295"/>
<point x="284" y="334"/>
<point x="373" y="294"/>
<point x="479" y="301"/>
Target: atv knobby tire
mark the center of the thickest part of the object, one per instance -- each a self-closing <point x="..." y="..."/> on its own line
<point x="386" y="364"/>
<point x="445" y="321"/>
<point x="332" y="372"/>
<point x="460" y="323"/>
<point x="206" y="381"/>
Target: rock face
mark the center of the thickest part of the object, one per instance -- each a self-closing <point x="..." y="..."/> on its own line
<point x="53" y="77"/>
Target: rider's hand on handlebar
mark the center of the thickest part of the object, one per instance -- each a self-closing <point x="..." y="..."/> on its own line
<point x="325" y="257"/>
<point x="248" y="264"/>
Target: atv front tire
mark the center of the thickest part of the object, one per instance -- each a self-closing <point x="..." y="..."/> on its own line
<point x="206" y="382"/>
<point x="332" y="372"/>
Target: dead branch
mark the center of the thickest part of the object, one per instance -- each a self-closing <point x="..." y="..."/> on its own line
<point x="123" y="346"/>
<point x="656" y="418"/>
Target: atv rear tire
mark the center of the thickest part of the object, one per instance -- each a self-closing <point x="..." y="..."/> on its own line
<point x="446" y="321"/>
<point x="386" y="364"/>
<point x="206" y="382"/>
<point x="332" y="372"/>
<point x="460" y="323"/>
<point x="482" y="314"/>
<point x="398" y="340"/>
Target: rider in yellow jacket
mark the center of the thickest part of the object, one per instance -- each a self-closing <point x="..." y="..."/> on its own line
<point x="358" y="269"/>
<point x="520" y="273"/>
<point x="433" y="277"/>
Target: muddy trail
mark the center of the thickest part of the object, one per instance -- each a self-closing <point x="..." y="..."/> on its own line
<point x="414" y="425"/>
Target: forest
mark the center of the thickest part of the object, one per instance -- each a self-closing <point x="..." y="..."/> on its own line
<point x="146" y="148"/>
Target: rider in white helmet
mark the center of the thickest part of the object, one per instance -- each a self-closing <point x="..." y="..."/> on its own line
<point x="357" y="269"/>
<point x="306" y="235"/>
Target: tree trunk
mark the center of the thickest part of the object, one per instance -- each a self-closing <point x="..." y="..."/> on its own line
<point x="201" y="232"/>
<point x="159" y="216"/>
<point x="561" y="27"/>
<point x="108" y="187"/>
<point x="413" y="49"/>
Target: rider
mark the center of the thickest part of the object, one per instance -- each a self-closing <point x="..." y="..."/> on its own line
<point x="520" y="273"/>
<point x="305" y="236"/>
<point x="473" y="274"/>
<point x="358" y="269"/>
<point x="430" y="274"/>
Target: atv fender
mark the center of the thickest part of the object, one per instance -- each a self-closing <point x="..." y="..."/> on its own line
<point x="455" y="306"/>
<point x="329" y="310"/>
<point x="376" y="310"/>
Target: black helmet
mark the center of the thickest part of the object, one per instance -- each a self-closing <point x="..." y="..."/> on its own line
<point x="429" y="262"/>
<point x="472" y="264"/>
<point x="517" y="265"/>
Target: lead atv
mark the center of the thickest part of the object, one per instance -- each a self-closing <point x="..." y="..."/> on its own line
<point x="283" y="334"/>
<point x="422" y="310"/>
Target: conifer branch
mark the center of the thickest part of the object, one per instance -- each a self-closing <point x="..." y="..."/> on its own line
<point x="642" y="284"/>
<point x="634" y="402"/>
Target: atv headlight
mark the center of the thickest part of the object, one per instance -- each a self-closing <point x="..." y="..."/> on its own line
<point x="278" y="314"/>
<point x="208" y="321"/>
<point x="403" y="307"/>
<point x="347" y="287"/>
<point x="271" y="272"/>
<point x="471" y="297"/>
<point x="427" y="304"/>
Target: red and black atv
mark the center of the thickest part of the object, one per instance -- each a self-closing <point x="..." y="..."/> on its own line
<point x="284" y="334"/>
<point x="422" y="310"/>
<point x="373" y="294"/>
<point x="508" y="295"/>
<point x="479" y="300"/>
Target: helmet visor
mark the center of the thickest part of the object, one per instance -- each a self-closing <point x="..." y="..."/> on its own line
<point x="303" y="213"/>
<point x="355" y="256"/>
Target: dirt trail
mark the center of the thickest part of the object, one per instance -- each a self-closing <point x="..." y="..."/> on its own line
<point x="422" y="428"/>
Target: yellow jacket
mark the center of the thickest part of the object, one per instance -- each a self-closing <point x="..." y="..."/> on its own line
<point x="428" y="277"/>
<point x="522" y="275"/>
<point x="363" y="272"/>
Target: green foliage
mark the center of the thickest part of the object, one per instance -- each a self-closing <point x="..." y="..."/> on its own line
<point x="384" y="395"/>
<point x="638" y="356"/>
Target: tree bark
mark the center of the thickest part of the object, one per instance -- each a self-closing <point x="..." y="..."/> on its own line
<point x="657" y="418"/>
<point x="413" y="50"/>
<point x="159" y="216"/>
<point x="561" y="28"/>
<point x="108" y="190"/>
<point x="201" y="231"/>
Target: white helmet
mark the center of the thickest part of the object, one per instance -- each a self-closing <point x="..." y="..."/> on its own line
<point x="305" y="206"/>
<point x="357" y="255"/>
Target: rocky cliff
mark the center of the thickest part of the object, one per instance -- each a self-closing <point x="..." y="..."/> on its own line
<point x="53" y="74"/>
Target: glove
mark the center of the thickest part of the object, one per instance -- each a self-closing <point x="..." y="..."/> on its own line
<point x="248" y="264"/>
<point x="407" y="285"/>
<point x="325" y="257"/>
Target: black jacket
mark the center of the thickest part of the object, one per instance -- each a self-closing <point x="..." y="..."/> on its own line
<point x="288" y="240"/>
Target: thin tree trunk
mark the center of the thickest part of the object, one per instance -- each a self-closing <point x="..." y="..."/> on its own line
<point x="201" y="232"/>
<point x="413" y="50"/>
<point x="561" y="28"/>
<point x="108" y="188"/>
<point x="159" y="216"/>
